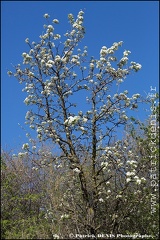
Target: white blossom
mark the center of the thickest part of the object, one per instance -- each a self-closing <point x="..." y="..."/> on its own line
<point x="132" y="162"/>
<point x="103" y="51"/>
<point x="126" y="92"/>
<point x="104" y="164"/>
<point x="48" y="65"/>
<point x="56" y="236"/>
<point x="25" y="146"/>
<point x="128" y="174"/>
<point x="72" y="120"/>
<point x="76" y="170"/>
<point x="45" y="36"/>
<point x="66" y="93"/>
<point x="119" y="196"/>
<point x="138" y="181"/>
<point x="80" y="13"/>
<point x="65" y="216"/>
<point x="46" y="15"/>
<point x="135" y="66"/>
<point x="99" y="76"/>
<point x="55" y="21"/>
<point x="126" y="53"/>
<point x="124" y="117"/>
<point x="9" y="73"/>
<point x="31" y="74"/>
<point x="101" y="200"/>
<point x="57" y="58"/>
<point x="39" y="129"/>
<point x="91" y="65"/>
<point x="91" y="81"/>
<point x="128" y="179"/>
<point x="143" y="179"/>
<point x="120" y="80"/>
<point x="84" y="119"/>
<point x="82" y="128"/>
<point x="24" y="54"/>
<point x="57" y="36"/>
<point x="135" y="96"/>
<point x="27" y="40"/>
<point x="34" y="168"/>
<point x="75" y="59"/>
<point x="27" y="101"/>
<point x="20" y="154"/>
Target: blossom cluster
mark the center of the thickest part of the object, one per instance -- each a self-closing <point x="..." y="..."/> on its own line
<point x="74" y="120"/>
<point x="55" y="72"/>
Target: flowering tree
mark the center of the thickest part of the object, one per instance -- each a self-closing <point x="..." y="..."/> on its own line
<point x="75" y="102"/>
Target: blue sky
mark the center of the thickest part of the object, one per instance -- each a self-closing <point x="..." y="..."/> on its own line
<point x="133" y="22"/>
